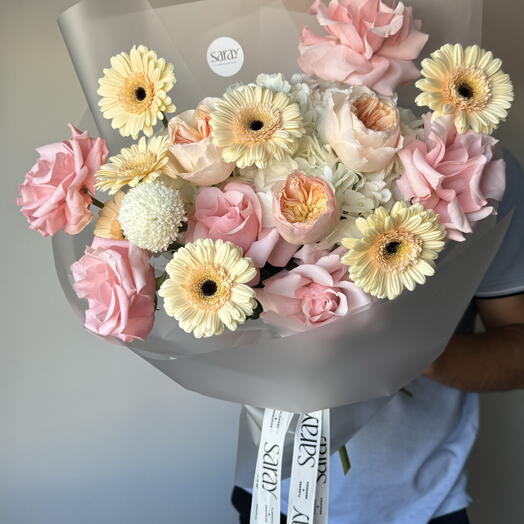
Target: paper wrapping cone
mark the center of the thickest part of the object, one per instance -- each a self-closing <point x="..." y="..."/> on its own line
<point x="356" y="363"/>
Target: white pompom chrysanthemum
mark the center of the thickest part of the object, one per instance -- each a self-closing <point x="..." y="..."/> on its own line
<point x="151" y="216"/>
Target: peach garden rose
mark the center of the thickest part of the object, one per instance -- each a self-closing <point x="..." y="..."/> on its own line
<point x="362" y="128"/>
<point x="304" y="208"/>
<point x="192" y="155"/>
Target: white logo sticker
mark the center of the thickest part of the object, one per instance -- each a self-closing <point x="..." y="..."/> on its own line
<point x="225" y="56"/>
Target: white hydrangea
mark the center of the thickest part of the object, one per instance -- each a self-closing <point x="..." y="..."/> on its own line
<point x="411" y="127"/>
<point x="299" y="92"/>
<point x="275" y="82"/>
<point x="313" y="156"/>
<point x="314" y="152"/>
<point x="151" y="216"/>
<point x="371" y="191"/>
<point x="313" y="82"/>
<point x="238" y="85"/>
<point x="264" y="178"/>
<point x="344" y="229"/>
<point x="342" y="179"/>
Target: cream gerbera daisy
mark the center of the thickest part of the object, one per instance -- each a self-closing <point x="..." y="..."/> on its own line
<point x="207" y="287"/>
<point x="467" y="83"/>
<point x="134" y="91"/>
<point x="255" y="125"/>
<point x="107" y="224"/>
<point x="397" y="249"/>
<point x="142" y="162"/>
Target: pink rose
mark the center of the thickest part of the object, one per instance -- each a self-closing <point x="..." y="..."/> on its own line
<point x="311" y="295"/>
<point x="193" y="156"/>
<point x="304" y="208"/>
<point x="119" y="283"/>
<point x="234" y="214"/>
<point x="53" y="195"/>
<point x="369" y="44"/>
<point x="454" y="174"/>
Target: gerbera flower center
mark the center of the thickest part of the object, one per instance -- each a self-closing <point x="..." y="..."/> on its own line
<point x="468" y="89"/>
<point x="257" y="124"/>
<point x="375" y="114"/>
<point x="392" y="248"/>
<point x="397" y="250"/>
<point x="465" y="90"/>
<point x="136" y="93"/>
<point x="140" y="94"/>
<point x="209" y="288"/>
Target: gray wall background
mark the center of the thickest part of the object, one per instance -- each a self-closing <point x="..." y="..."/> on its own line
<point x="88" y="431"/>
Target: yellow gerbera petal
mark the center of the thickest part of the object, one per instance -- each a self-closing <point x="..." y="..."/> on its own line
<point x="142" y="162"/>
<point x="468" y="83"/>
<point x="206" y="288"/>
<point x="134" y="91"/>
<point x="396" y="250"/>
<point x="255" y="125"/>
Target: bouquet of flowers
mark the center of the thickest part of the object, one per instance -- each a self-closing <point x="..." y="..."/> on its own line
<point x="290" y="213"/>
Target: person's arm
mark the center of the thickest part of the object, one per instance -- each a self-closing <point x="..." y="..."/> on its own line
<point x="489" y="361"/>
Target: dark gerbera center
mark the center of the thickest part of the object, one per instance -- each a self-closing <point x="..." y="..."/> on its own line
<point x="208" y="288"/>
<point x="140" y="94"/>
<point x="465" y="91"/>
<point x="256" y="125"/>
<point x="392" y="248"/>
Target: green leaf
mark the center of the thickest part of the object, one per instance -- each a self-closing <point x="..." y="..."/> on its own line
<point x="256" y="312"/>
<point x="406" y="392"/>
<point x="344" y="458"/>
<point x="160" y="280"/>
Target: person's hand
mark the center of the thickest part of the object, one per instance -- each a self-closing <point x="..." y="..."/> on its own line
<point x="489" y="361"/>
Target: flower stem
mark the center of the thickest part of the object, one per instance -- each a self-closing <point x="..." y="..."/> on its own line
<point x="406" y="392"/>
<point x="344" y="458"/>
<point x="97" y="202"/>
<point x="160" y="280"/>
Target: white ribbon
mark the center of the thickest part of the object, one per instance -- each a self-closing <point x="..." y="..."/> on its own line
<point x="322" y="495"/>
<point x="304" y="470"/>
<point x="309" y="483"/>
<point x="265" y="507"/>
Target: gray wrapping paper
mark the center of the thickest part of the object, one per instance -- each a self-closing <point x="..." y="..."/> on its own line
<point x="352" y="366"/>
<point x="181" y="31"/>
<point x="369" y="354"/>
